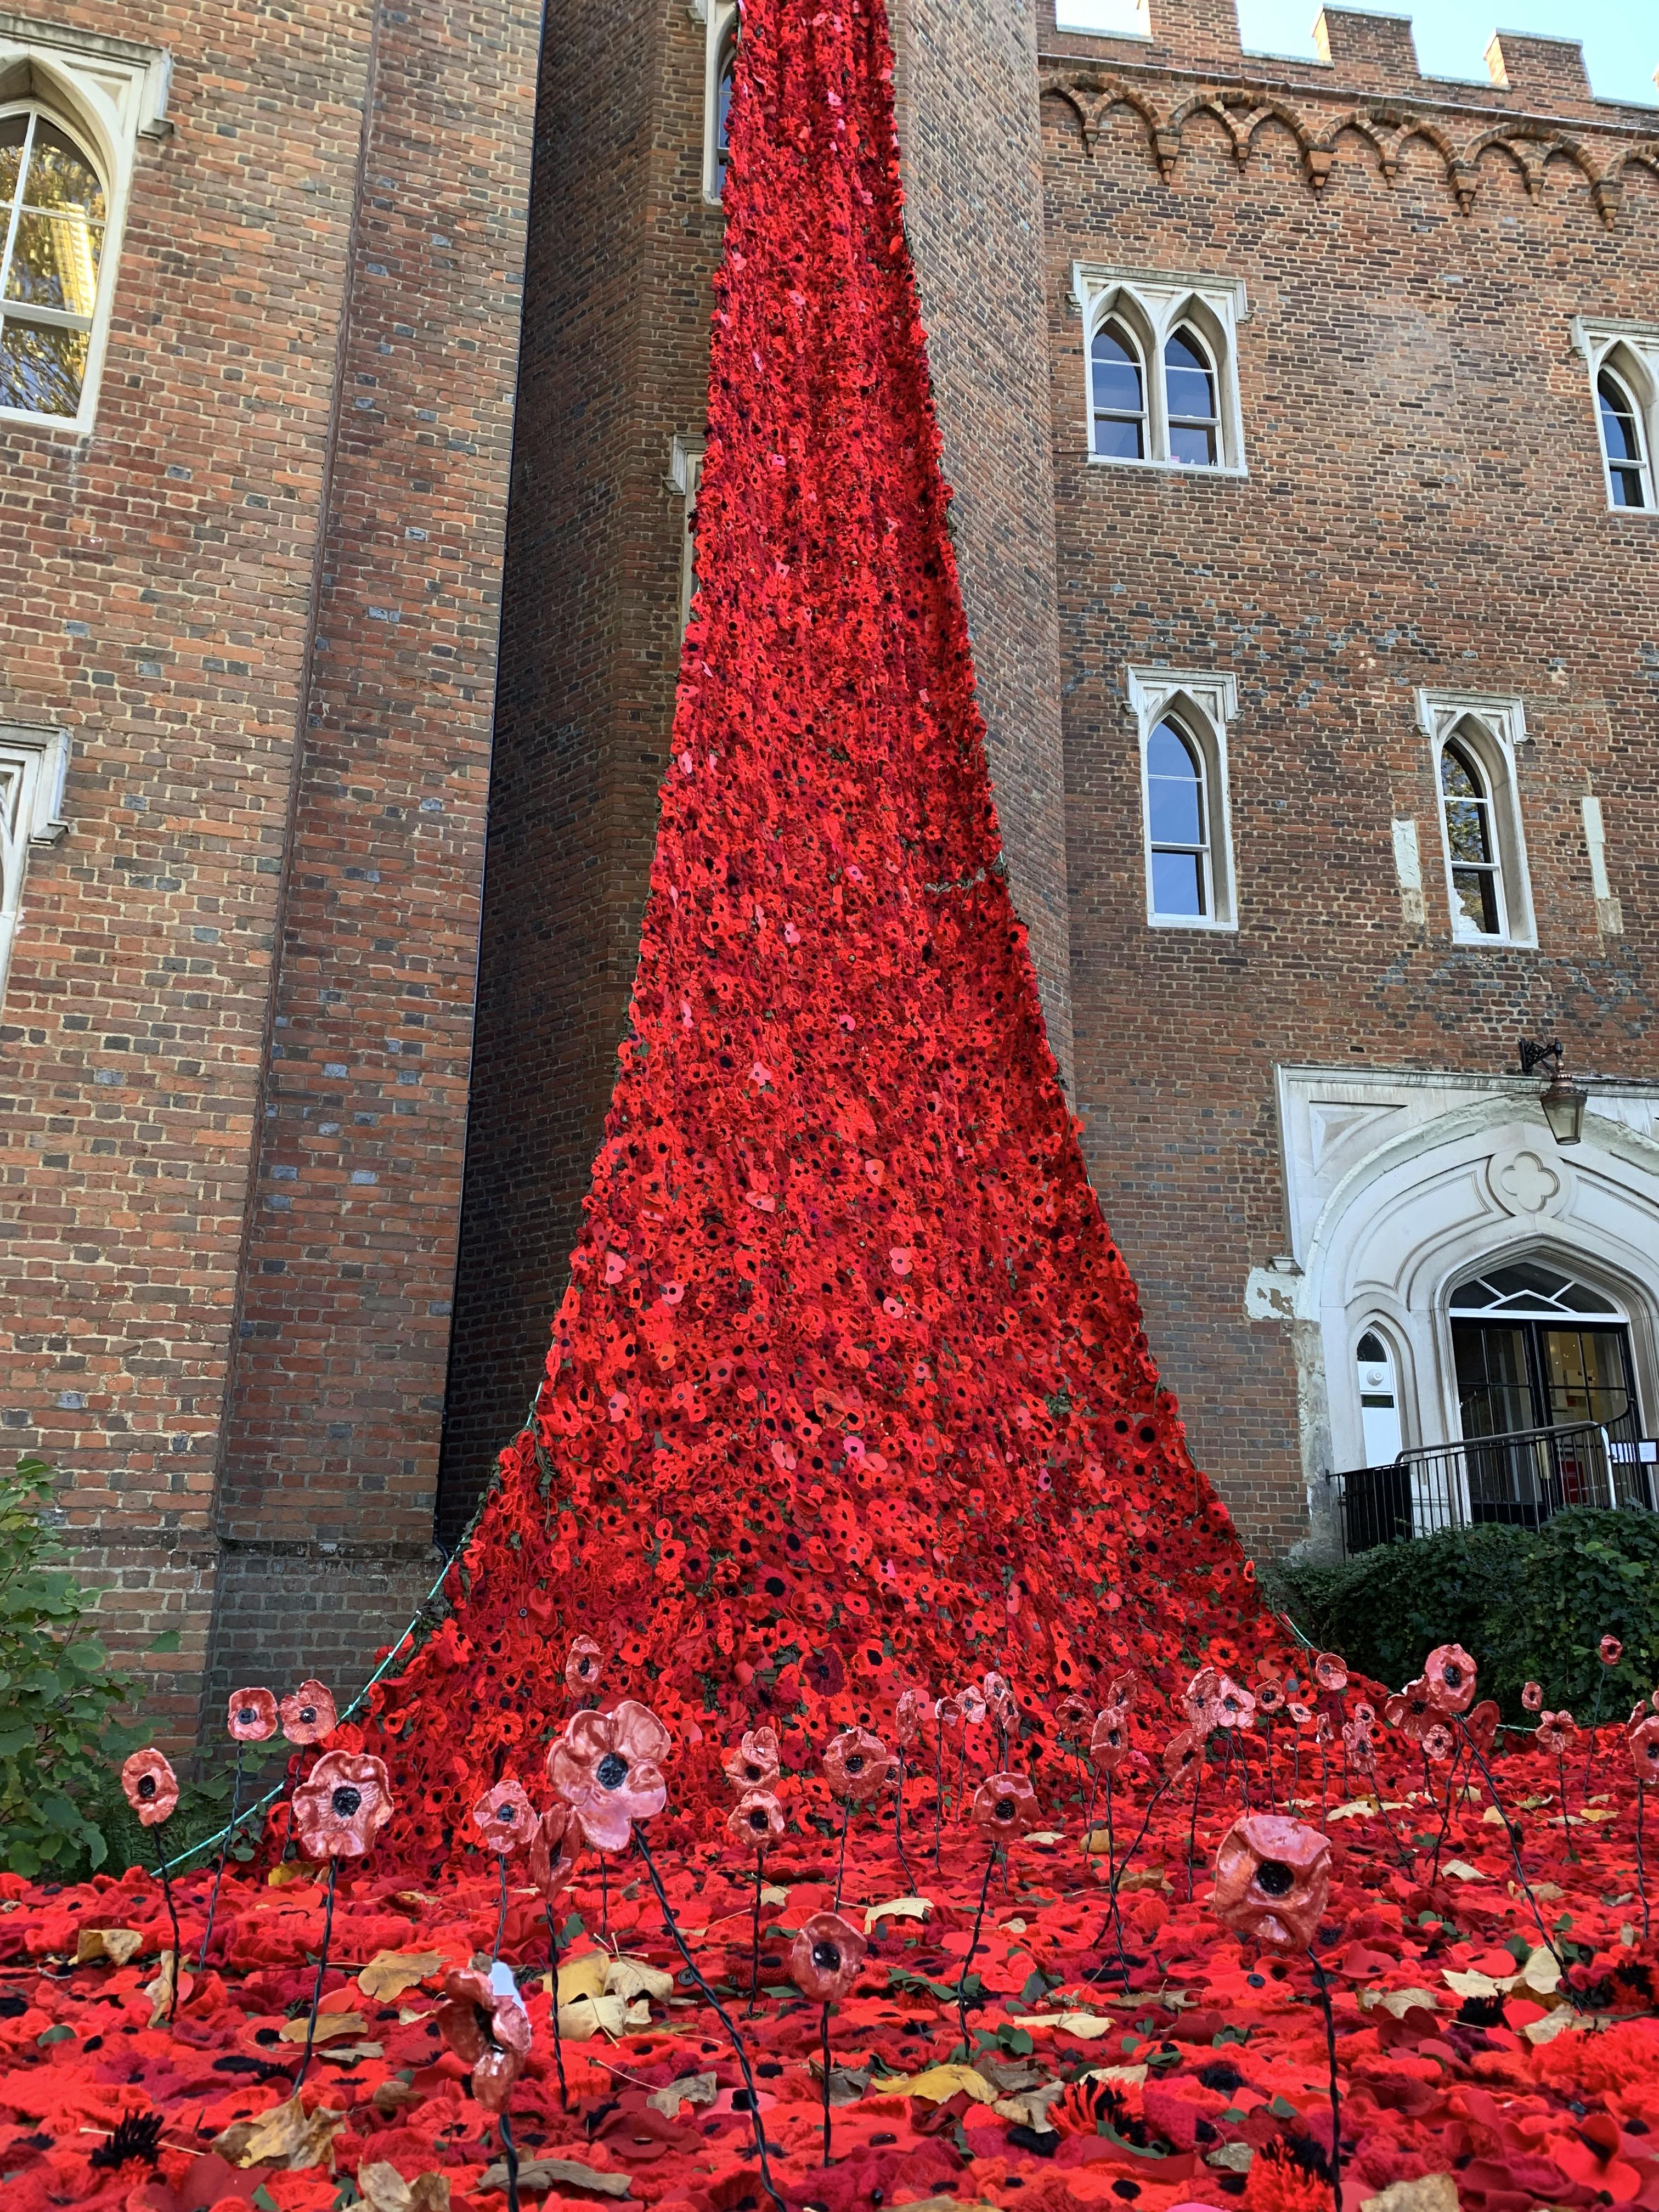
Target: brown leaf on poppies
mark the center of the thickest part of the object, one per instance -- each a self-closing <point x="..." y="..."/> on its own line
<point x="383" y="2189"/>
<point x="117" y="1945"/>
<point x="541" y="2174"/>
<point x="330" y="2026"/>
<point x="389" y="1973"/>
<point x="287" y="2135"/>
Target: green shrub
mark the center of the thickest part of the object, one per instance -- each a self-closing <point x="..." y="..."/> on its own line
<point x="1526" y="1604"/>
<point x="59" y="1695"/>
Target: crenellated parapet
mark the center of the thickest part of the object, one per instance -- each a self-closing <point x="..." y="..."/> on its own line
<point x="1188" y="64"/>
<point x="1385" y="126"/>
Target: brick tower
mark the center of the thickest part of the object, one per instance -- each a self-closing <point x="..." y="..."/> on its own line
<point x="258" y="363"/>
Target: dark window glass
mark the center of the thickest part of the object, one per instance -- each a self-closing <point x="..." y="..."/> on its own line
<point x="1189" y="388"/>
<point x="1119" y="394"/>
<point x="1621" y="437"/>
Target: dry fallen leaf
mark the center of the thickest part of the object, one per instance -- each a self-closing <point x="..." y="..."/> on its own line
<point x="1435" y="2193"/>
<point x="286" y="2136"/>
<point x="937" y="2083"/>
<point x="389" y="1973"/>
<point x="330" y="2026"/>
<point x="583" y="1977"/>
<point x="540" y="2174"/>
<point x="629" y="1978"/>
<point x="383" y="2189"/>
<point x="393" y="2096"/>
<point x="690" y="2089"/>
<point x="897" y="1908"/>
<point x="1398" y="2002"/>
<point x="1462" y="1871"/>
<point x="117" y="1945"/>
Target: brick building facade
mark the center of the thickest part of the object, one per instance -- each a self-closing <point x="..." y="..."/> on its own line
<point x="1364" y="531"/>
<point x="249" y="591"/>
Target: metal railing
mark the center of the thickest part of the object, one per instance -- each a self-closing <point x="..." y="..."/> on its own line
<point x="1522" y="1478"/>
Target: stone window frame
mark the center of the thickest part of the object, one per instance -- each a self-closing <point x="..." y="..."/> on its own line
<point x="1490" y="728"/>
<point x="1206" y="705"/>
<point x="108" y="93"/>
<point x="685" y="475"/>
<point x="722" y="27"/>
<point x="1153" y="304"/>
<point x="1631" y="352"/>
<point x="33" y="767"/>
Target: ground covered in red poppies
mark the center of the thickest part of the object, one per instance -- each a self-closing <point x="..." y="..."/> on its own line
<point x="1185" y="2068"/>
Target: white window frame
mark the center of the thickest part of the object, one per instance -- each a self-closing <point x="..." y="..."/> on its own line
<point x="685" y="475"/>
<point x="1631" y="351"/>
<point x="108" y="93"/>
<point x="1154" y="304"/>
<point x="1490" y="729"/>
<point x="1204" y="704"/>
<point x="719" y="21"/>
<point x="34" y="765"/>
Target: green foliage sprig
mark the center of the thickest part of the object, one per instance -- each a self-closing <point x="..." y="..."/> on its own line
<point x="1529" y="1605"/>
<point x="59" y="1695"/>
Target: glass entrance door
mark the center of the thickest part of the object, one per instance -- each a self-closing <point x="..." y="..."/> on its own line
<point x="1536" y="1350"/>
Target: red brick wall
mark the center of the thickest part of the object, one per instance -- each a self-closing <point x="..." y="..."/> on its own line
<point x="615" y="366"/>
<point x="1425" y="506"/>
<point x="192" y="591"/>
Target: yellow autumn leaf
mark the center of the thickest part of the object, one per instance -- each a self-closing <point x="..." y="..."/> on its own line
<point x="117" y="1945"/>
<point x="897" y="1908"/>
<point x="936" y="2084"/>
<point x="583" y="1977"/>
<point x="389" y="1973"/>
<point x="1472" y="1984"/>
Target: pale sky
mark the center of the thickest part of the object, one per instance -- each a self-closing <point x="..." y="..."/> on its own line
<point x="1620" y="37"/>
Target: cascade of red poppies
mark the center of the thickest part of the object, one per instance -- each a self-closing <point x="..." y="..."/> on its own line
<point x="849" y="1391"/>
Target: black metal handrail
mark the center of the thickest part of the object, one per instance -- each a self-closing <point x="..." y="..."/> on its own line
<point x="1522" y="1478"/>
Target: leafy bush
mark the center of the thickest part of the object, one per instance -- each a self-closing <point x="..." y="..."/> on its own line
<point x="59" y="1695"/>
<point x="1527" y="1604"/>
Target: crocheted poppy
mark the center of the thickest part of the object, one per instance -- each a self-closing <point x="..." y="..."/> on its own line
<point x="150" y="1785"/>
<point x="1232" y="1706"/>
<point x="1411" y="1711"/>
<point x="754" y="1763"/>
<point x="1449" y="1674"/>
<point x="308" y="1714"/>
<point x="856" y="1764"/>
<point x="583" y="1665"/>
<point x="825" y="1957"/>
<point x="605" y="1766"/>
<point x="755" y="1820"/>
<point x="1183" y="1753"/>
<point x="505" y="1818"/>
<point x="1005" y="1805"/>
<point x="1273" y="1877"/>
<point x="488" y="2031"/>
<point x="251" y="1717"/>
<point x="342" y="1805"/>
<point x="1109" y="1739"/>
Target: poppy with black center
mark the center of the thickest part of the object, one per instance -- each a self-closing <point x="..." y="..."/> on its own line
<point x="825" y="1957"/>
